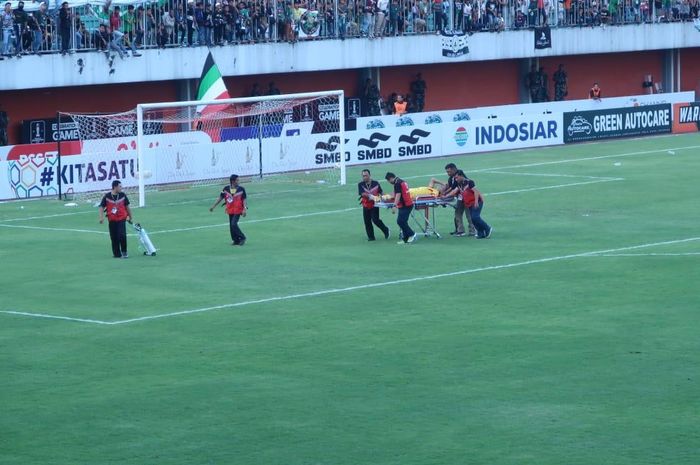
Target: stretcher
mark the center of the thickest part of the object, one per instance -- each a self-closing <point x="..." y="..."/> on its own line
<point x="424" y="203"/>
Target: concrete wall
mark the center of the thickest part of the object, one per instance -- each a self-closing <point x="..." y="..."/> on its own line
<point x="175" y="64"/>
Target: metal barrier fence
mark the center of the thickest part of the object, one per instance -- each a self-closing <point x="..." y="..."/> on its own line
<point x="173" y="23"/>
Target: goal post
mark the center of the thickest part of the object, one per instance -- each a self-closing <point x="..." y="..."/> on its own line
<point x="294" y="137"/>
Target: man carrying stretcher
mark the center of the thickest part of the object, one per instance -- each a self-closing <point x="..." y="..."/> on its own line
<point x="445" y="189"/>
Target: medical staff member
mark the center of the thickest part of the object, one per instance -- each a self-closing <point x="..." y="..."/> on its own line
<point x="450" y="189"/>
<point x="236" y="206"/>
<point x="474" y="202"/>
<point x="404" y="204"/>
<point x="116" y="204"/>
<point x="368" y="189"/>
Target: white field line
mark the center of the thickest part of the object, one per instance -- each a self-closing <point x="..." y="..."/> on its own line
<point x="557" y="162"/>
<point x="56" y="317"/>
<point x="558" y="186"/>
<point x="19" y="226"/>
<point x="686" y="254"/>
<point x="29" y="218"/>
<point x="549" y="175"/>
<point x="358" y="287"/>
<point x="261" y="220"/>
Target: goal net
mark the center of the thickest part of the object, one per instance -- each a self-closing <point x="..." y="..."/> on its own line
<point x="182" y="145"/>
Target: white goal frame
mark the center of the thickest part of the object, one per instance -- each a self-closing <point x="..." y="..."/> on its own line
<point x="193" y="103"/>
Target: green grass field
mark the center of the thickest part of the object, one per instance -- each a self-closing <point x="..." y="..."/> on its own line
<point x="569" y="337"/>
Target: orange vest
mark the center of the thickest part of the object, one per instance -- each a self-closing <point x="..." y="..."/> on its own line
<point x="400" y="108"/>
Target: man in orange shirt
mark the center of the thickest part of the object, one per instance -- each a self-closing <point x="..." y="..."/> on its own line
<point x="400" y="105"/>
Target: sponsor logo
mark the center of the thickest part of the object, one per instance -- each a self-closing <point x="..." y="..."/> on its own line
<point x="329" y="146"/>
<point x="373" y="140"/>
<point x="415" y="148"/>
<point x="414" y="137"/>
<point x="404" y="121"/>
<point x="617" y="122"/>
<point x="328" y="112"/>
<point x="461" y="136"/>
<point x="579" y="125"/>
<point x="689" y="114"/>
<point x="330" y="154"/>
<point x="461" y="116"/>
<point x="375" y="124"/>
<point x="532" y="131"/>
<point x="433" y="119"/>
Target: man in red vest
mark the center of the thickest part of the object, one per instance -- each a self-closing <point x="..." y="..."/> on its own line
<point x="368" y="189"/>
<point x="404" y="203"/>
<point x="235" y="197"/>
<point x="116" y="204"/>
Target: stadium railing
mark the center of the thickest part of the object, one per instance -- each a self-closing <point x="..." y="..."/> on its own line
<point x="279" y="21"/>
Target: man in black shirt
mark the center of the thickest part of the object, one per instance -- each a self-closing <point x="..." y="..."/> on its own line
<point x="446" y="188"/>
<point x="367" y="190"/>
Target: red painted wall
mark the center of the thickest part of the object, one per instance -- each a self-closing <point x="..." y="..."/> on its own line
<point x="618" y="74"/>
<point x="457" y="85"/>
<point x="44" y="103"/>
<point x="690" y="69"/>
<point x="288" y="83"/>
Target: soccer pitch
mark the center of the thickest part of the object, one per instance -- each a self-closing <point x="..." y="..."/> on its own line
<point x="568" y="337"/>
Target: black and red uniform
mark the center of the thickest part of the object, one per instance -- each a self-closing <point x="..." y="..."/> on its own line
<point x="405" y="205"/>
<point x="115" y="207"/>
<point x="235" y="206"/>
<point x="370" y="213"/>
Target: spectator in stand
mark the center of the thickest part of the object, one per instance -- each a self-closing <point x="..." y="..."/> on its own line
<point x="367" y="28"/>
<point x="542" y="86"/>
<point x="42" y="18"/>
<point x="64" y="25"/>
<point x="168" y="21"/>
<point x="180" y="31"/>
<point x="80" y="33"/>
<point x="101" y="39"/>
<point x="560" y="85"/>
<point x="208" y="25"/>
<point x="418" y="88"/>
<point x="342" y="19"/>
<point x="595" y="92"/>
<point x="36" y="37"/>
<point x="380" y="17"/>
<point x="219" y="24"/>
<point x="272" y="89"/>
<point x="255" y="91"/>
<point x="139" y="26"/>
<point x="129" y="26"/>
<point x="115" y="19"/>
<point x="20" y="26"/>
<point x="191" y="22"/>
<point x="199" y="22"/>
<point x="400" y="106"/>
<point x="394" y="10"/>
<point x="8" y="25"/>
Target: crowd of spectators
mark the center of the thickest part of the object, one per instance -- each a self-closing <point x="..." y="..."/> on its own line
<point x="175" y="23"/>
